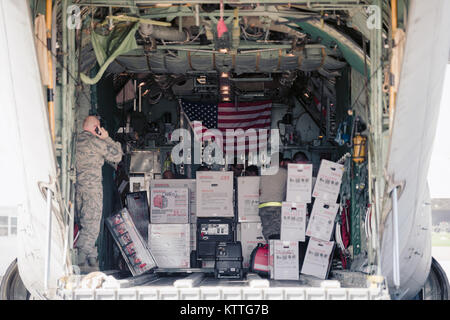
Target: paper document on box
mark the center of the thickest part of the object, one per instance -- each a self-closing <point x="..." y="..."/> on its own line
<point x="215" y="194"/>
<point x="299" y="182"/>
<point x="293" y="221"/>
<point x="317" y="259"/>
<point x="170" y="244"/>
<point x="321" y="222"/>
<point x="328" y="181"/>
<point x="180" y="183"/>
<point x="169" y="205"/>
<point x="248" y="199"/>
<point x="283" y="260"/>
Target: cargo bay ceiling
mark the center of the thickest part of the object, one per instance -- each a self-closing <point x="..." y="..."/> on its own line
<point x="260" y="49"/>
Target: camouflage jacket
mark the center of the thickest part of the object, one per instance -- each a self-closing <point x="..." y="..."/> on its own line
<point x="91" y="154"/>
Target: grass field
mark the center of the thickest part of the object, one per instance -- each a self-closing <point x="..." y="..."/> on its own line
<point x="440" y="239"/>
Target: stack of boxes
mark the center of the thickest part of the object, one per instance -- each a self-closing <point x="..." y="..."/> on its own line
<point x="284" y="253"/>
<point x="176" y="205"/>
<point x="190" y="184"/>
<point x="169" y="229"/>
<point x="321" y="224"/>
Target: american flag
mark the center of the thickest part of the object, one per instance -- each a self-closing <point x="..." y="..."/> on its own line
<point x="253" y="118"/>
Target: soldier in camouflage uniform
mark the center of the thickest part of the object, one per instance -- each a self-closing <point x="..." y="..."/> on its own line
<point x="94" y="147"/>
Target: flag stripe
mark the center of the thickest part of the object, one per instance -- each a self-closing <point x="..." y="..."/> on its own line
<point x="243" y="111"/>
<point x="226" y="116"/>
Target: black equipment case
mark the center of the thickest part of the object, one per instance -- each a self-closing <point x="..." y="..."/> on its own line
<point x="137" y="205"/>
<point x="209" y="232"/>
<point x="228" y="264"/>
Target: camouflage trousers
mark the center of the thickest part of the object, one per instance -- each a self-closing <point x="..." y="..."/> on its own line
<point x="270" y="220"/>
<point x="89" y="206"/>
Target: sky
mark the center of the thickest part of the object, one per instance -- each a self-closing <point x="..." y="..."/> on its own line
<point x="439" y="171"/>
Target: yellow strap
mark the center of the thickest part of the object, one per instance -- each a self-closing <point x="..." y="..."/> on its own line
<point x="270" y="204"/>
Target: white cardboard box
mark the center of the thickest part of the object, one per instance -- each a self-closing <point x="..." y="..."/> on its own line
<point x="299" y="181"/>
<point x="215" y="194"/>
<point x="293" y="221"/>
<point x="169" y="205"/>
<point x="249" y="234"/>
<point x="248" y="199"/>
<point x="170" y="244"/>
<point x="317" y="259"/>
<point x="283" y="260"/>
<point x="321" y="222"/>
<point x="328" y="181"/>
<point x="180" y="183"/>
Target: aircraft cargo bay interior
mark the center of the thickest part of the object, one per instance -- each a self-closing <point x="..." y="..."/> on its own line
<point x="227" y="145"/>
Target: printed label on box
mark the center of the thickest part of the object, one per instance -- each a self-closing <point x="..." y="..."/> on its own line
<point x="321" y="222"/>
<point x="215" y="194"/>
<point x="170" y="244"/>
<point x="180" y="183"/>
<point x="248" y="199"/>
<point x="293" y="221"/>
<point x="299" y="182"/>
<point x="169" y="205"/>
<point x="328" y="181"/>
<point x="317" y="259"/>
<point x="284" y="260"/>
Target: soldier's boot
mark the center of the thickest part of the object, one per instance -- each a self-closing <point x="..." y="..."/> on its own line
<point x="81" y="259"/>
<point x="93" y="263"/>
<point x="87" y="264"/>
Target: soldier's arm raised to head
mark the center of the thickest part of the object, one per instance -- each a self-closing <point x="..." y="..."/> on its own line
<point x="109" y="149"/>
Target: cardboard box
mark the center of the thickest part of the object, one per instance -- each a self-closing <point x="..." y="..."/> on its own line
<point x="169" y="205"/>
<point x="299" y="182"/>
<point x="328" y="181"/>
<point x="321" y="222"/>
<point x="180" y="183"/>
<point x="249" y="234"/>
<point x="283" y="260"/>
<point x="293" y="221"/>
<point x="170" y="244"/>
<point x="215" y="194"/>
<point x="318" y="258"/>
<point x="248" y="199"/>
